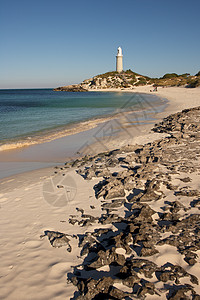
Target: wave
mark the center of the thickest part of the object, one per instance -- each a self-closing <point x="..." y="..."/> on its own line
<point x="71" y="129"/>
<point x="56" y="134"/>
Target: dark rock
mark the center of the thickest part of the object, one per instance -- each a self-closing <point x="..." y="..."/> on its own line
<point x="131" y="280"/>
<point x="185" y="179"/>
<point x="80" y="210"/>
<point x="110" y="189"/>
<point x="106" y="258"/>
<point x="187" y="193"/>
<point x="180" y="293"/>
<point x="147" y="288"/>
<point x="116" y="293"/>
<point x="148" y="251"/>
<point x="89" y="217"/>
<point x="71" y="88"/>
<point x="114" y="204"/>
<point x="58" y="239"/>
<point x="73" y="221"/>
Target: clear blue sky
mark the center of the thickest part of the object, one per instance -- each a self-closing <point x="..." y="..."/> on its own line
<point x="48" y="43"/>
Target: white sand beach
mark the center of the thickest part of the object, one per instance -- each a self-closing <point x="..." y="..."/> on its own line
<point x="31" y="203"/>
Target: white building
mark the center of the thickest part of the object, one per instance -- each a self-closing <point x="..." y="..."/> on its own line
<point x="119" y="60"/>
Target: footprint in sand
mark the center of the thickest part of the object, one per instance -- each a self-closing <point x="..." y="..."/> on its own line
<point x="28" y="188"/>
<point x="33" y="244"/>
<point x="4" y="199"/>
<point x="18" y="199"/>
<point x="11" y="267"/>
<point x="59" y="270"/>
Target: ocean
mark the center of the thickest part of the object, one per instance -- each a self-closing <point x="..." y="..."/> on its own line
<point x="31" y="116"/>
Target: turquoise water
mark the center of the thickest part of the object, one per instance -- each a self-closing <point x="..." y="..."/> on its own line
<point x="29" y="114"/>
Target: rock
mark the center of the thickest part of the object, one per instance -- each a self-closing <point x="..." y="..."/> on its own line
<point x="148" y="251"/>
<point x="187" y="193"/>
<point x="114" y="204"/>
<point x="185" y="179"/>
<point x="166" y="276"/>
<point x="71" y="88"/>
<point x="96" y="289"/>
<point x="110" y="189"/>
<point x="58" y="239"/>
<point x="116" y="191"/>
<point x="102" y="285"/>
<point x="110" y="219"/>
<point x="149" y="195"/>
<point x="144" y="266"/>
<point x="87" y="239"/>
<point x="180" y="293"/>
<point x="131" y="280"/>
<point x="116" y="293"/>
<point x="194" y="279"/>
<point x="106" y="258"/>
<point x="73" y="221"/>
<point x="191" y="261"/>
<point x="144" y="212"/>
<point x="147" y="288"/>
<point x="121" y="240"/>
<point x="80" y="210"/>
<point x="145" y="172"/>
<point x="89" y="217"/>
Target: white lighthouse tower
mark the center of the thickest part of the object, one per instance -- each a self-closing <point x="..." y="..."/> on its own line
<point x="119" y="60"/>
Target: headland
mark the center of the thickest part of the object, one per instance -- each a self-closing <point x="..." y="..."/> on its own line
<point x="129" y="80"/>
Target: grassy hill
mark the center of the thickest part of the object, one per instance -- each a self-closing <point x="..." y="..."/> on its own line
<point x="129" y="79"/>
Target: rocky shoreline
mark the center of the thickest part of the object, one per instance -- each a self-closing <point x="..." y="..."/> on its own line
<point x="150" y="201"/>
<point x="71" y="88"/>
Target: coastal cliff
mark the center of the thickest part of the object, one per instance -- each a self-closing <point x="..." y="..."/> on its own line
<point x="129" y="80"/>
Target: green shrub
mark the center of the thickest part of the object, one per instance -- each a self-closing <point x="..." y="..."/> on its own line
<point x="141" y="81"/>
<point x="107" y="74"/>
<point x="198" y="74"/>
<point x="169" y="75"/>
<point x="132" y="81"/>
<point x="185" y="75"/>
<point x="194" y="83"/>
<point x="131" y="72"/>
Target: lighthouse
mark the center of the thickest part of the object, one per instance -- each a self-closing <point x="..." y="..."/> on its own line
<point x="119" y="60"/>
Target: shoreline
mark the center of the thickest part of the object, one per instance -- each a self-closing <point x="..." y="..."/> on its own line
<point x="33" y="214"/>
<point x="69" y="143"/>
<point x="130" y="135"/>
<point x="32" y="211"/>
<point x="49" y="135"/>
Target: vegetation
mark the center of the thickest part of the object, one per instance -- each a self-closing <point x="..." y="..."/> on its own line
<point x="132" y="81"/>
<point x="169" y="75"/>
<point x="198" y="74"/>
<point x="129" y="78"/>
<point x="141" y="81"/>
<point x="129" y="71"/>
<point x="185" y="75"/>
<point x="108" y="74"/>
<point x="194" y="83"/>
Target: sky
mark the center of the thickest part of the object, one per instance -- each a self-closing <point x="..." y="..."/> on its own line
<point x="46" y="43"/>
